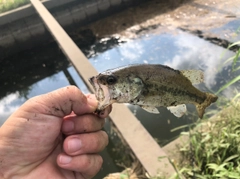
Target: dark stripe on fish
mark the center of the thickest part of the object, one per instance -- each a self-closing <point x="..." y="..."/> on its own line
<point x="178" y="92"/>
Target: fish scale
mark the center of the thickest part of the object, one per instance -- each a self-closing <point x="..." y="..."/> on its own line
<point x="151" y="86"/>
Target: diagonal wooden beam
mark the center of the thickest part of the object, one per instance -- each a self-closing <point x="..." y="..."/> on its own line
<point x="140" y="141"/>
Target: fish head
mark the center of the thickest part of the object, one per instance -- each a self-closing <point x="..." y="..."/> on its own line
<point x="113" y="87"/>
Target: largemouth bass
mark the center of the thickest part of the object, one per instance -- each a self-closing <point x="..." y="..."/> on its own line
<point x="151" y="86"/>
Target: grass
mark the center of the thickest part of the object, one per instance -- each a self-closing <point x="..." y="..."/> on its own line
<point x="6" y="5"/>
<point x="213" y="151"/>
<point x="213" y="148"/>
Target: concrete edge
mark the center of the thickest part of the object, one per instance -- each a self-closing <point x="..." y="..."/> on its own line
<point x="28" y="10"/>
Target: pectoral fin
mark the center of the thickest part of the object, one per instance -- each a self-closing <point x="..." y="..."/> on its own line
<point x="150" y="109"/>
<point x="178" y="110"/>
<point x="195" y="76"/>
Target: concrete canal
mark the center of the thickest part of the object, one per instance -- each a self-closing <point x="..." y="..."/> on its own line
<point x="140" y="34"/>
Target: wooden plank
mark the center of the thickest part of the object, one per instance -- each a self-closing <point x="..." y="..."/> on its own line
<point x="142" y="144"/>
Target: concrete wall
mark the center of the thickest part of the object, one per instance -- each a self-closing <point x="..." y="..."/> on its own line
<point x="22" y="28"/>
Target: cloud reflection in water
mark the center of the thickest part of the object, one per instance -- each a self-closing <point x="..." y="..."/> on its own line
<point x="195" y="53"/>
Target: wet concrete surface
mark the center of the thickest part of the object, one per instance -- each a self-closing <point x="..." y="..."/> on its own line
<point x="155" y="39"/>
<point x="199" y="14"/>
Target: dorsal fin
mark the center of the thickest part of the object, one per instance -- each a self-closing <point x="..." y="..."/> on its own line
<point x="195" y="76"/>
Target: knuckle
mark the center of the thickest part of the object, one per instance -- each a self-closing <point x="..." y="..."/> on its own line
<point x="104" y="137"/>
<point x="101" y="141"/>
<point x="85" y="162"/>
<point x="100" y="160"/>
<point x="90" y="161"/>
<point x="96" y="164"/>
<point x="75" y="91"/>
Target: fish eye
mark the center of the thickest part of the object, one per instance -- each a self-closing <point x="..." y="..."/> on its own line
<point x="111" y="80"/>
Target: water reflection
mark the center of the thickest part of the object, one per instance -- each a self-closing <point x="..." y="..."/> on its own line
<point x="178" y="50"/>
<point x="8" y="105"/>
<point x="175" y="48"/>
<point x="13" y="101"/>
<point x="156" y="48"/>
<point x="230" y="31"/>
<point x="196" y="53"/>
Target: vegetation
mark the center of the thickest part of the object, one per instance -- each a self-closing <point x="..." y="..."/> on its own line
<point x="6" y="5"/>
<point x="214" y="148"/>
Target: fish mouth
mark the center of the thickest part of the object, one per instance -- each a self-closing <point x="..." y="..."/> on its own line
<point x="91" y="80"/>
<point x="102" y="93"/>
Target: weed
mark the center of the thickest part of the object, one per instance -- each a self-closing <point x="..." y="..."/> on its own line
<point x="6" y="5"/>
<point x="215" y="144"/>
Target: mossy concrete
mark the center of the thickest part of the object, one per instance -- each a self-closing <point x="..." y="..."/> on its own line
<point x="23" y="29"/>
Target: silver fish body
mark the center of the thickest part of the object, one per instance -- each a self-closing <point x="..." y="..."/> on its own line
<point x="151" y="86"/>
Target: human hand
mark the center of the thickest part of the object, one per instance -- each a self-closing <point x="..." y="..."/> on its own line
<point x="55" y="135"/>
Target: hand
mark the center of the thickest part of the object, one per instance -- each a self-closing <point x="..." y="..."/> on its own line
<point x="55" y="135"/>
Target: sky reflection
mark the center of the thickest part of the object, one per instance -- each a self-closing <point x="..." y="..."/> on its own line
<point x="12" y="102"/>
<point x="176" y="49"/>
<point x="9" y="104"/>
<point x="179" y="51"/>
<point x="230" y="31"/>
<point x="196" y="53"/>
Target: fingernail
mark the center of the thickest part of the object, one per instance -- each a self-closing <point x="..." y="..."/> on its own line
<point x="68" y="126"/>
<point x="64" y="159"/>
<point x="74" y="145"/>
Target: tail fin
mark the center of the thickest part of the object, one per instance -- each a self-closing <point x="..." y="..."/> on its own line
<point x="211" y="98"/>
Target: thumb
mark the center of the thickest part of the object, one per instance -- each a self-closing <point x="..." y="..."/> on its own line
<point x="45" y="113"/>
<point x="62" y="102"/>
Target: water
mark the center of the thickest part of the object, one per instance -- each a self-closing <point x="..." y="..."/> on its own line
<point x="178" y="50"/>
<point x="230" y="31"/>
<point x="46" y="69"/>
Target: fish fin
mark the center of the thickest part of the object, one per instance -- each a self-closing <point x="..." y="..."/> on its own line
<point x="210" y="98"/>
<point x="195" y="76"/>
<point x="150" y="109"/>
<point x="178" y="110"/>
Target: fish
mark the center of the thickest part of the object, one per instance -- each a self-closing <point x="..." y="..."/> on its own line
<point x="151" y="86"/>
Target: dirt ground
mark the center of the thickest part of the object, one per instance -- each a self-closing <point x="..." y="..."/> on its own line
<point x="191" y="14"/>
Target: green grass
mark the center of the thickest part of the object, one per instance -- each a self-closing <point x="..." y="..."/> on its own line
<point x="214" y="147"/>
<point x="6" y="5"/>
<point x="213" y="151"/>
<point x="235" y="66"/>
